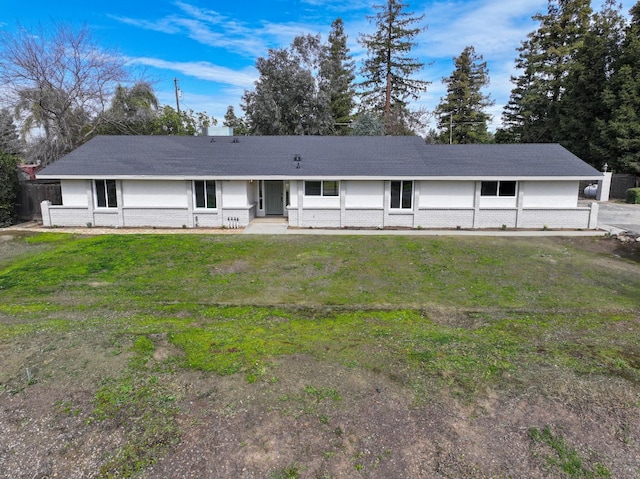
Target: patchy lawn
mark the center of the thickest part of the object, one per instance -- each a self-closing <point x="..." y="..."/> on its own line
<point x="319" y="357"/>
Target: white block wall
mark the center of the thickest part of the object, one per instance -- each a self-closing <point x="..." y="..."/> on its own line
<point x="496" y="218"/>
<point x="364" y="218"/>
<point x="320" y="218"/>
<point x="159" y="217"/>
<point x="398" y="220"/>
<point x="444" y="218"/>
<point x="574" y="218"/>
<point x="206" y="219"/>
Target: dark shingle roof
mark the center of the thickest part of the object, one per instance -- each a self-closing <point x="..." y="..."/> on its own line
<point x="336" y="157"/>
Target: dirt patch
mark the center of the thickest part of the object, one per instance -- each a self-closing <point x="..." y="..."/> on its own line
<point x="608" y="246"/>
<point x="375" y="429"/>
<point x="327" y="420"/>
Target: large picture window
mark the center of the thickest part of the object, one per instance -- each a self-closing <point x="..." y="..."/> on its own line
<point x="498" y="188"/>
<point x="322" y="188"/>
<point x="401" y="194"/>
<point x="106" y="196"/>
<point x="205" y="193"/>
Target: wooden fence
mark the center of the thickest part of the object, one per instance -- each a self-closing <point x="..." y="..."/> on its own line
<point x="32" y="193"/>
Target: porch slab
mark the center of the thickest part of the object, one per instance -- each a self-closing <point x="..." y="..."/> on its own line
<point x="267" y="226"/>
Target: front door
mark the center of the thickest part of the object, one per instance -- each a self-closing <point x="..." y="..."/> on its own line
<point x="273" y="191"/>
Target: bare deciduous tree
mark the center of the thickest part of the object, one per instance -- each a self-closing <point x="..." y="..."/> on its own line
<point x="60" y="81"/>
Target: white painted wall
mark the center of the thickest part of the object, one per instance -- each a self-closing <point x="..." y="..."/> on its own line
<point x="234" y="194"/>
<point x="321" y="202"/>
<point x="549" y="194"/>
<point x="364" y="194"/>
<point x="293" y="192"/>
<point x="150" y="193"/>
<point x="446" y="194"/>
<point x="74" y="192"/>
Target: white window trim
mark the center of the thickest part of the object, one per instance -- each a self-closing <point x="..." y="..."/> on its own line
<point x="106" y="194"/>
<point x="206" y="196"/>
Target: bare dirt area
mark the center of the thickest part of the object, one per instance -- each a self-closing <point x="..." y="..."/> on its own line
<point x="302" y="417"/>
<point x="313" y="419"/>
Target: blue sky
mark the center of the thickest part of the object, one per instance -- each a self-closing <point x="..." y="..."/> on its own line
<point x="211" y="45"/>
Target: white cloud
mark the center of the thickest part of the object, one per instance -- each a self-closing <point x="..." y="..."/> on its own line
<point x="202" y="70"/>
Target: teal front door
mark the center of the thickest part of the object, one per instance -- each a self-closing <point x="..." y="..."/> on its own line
<point x="273" y="192"/>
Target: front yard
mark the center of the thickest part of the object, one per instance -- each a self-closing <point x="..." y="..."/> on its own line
<point x="318" y="357"/>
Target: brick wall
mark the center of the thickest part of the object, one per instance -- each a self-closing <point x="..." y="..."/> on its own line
<point x="555" y="218"/>
<point x="364" y="218"/>
<point x="320" y="218"/>
<point x="444" y="218"/>
<point x="160" y="217"/>
<point x="495" y="218"/>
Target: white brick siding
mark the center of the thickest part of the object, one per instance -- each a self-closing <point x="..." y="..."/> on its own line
<point x="570" y="218"/>
<point x="160" y="217"/>
<point x="394" y="220"/>
<point x="495" y="218"/>
<point x="444" y="218"/>
<point x="320" y="218"/>
<point x="364" y="218"/>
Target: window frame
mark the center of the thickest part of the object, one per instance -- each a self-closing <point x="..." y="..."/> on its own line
<point x="401" y="195"/>
<point x="206" y="194"/>
<point x="106" y="192"/>
<point x="334" y="189"/>
<point x="499" y="189"/>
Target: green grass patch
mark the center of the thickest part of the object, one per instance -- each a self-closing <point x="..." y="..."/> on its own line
<point x="139" y="403"/>
<point x="565" y="458"/>
<point x="150" y="271"/>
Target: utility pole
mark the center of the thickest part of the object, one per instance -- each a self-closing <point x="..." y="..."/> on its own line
<point x="175" y="83"/>
<point x="450" y="128"/>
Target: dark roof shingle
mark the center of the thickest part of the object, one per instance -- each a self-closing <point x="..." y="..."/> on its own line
<point x="321" y="156"/>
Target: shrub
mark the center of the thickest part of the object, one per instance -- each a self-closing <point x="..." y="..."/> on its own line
<point x="8" y="188"/>
<point x="633" y="196"/>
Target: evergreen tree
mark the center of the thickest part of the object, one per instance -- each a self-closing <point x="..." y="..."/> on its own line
<point x="533" y="113"/>
<point x="461" y="114"/>
<point x="286" y="99"/>
<point x="336" y="77"/>
<point x="8" y="187"/>
<point x="583" y="109"/>
<point x="9" y="139"/>
<point x="622" y="97"/>
<point x="367" y="124"/>
<point x="388" y="84"/>
<point x="232" y="121"/>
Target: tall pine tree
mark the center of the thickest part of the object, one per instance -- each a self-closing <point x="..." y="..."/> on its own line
<point x="461" y="114"/>
<point x="336" y="77"/>
<point x="622" y="97"/>
<point x="545" y="59"/>
<point x="388" y="84"/>
<point x="583" y="109"/>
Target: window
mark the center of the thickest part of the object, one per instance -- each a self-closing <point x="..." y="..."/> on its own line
<point x="106" y="196"/>
<point x="205" y="193"/>
<point x="401" y="194"/>
<point x="498" y="188"/>
<point x="322" y="188"/>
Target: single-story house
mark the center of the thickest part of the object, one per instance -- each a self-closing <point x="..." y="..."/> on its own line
<point x="318" y="182"/>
